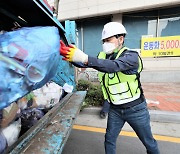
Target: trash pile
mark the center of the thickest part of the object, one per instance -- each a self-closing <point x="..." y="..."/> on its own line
<point x="21" y="115"/>
<point x="29" y="58"/>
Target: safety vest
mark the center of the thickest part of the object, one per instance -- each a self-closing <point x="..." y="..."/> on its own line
<point x="120" y="88"/>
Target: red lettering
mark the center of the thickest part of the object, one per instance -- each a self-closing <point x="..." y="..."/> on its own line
<point x="172" y="43"/>
<point x="168" y="44"/>
<point x="177" y="44"/>
<point x="162" y="44"/>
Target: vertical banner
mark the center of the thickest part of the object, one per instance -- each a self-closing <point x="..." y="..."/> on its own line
<point x="160" y="46"/>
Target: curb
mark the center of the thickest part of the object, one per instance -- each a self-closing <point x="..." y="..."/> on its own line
<point x="165" y="116"/>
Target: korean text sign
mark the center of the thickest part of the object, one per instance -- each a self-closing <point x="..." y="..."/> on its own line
<point x="160" y="46"/>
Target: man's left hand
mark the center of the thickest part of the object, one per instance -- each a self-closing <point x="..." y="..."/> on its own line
<point x="72" y="54"/>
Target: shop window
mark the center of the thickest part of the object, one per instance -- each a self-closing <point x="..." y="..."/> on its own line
<point x="138" y="25"/>
<point x="156" y="23"/>
<point x="89" y="35"/>
<point x="169" y="22"/>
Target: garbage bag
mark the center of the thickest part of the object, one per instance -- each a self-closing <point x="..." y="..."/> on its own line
<point x="28" y="59"/>
<point x="3" y="143"/>
<point x="12" y="132"/>
<point x="47" y="96"/>
<point x="29" y="117"/>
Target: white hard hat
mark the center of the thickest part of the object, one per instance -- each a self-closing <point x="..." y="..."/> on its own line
<point x="111" y="29"/>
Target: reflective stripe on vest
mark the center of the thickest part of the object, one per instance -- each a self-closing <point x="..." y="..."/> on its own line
<point x="120" y="88"/>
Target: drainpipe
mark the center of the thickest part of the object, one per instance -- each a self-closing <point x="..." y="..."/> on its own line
<point x="157" y="26"/>
<point x="56" y="6"/>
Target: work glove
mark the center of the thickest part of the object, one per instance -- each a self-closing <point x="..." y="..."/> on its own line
<point x="72" y="54"/>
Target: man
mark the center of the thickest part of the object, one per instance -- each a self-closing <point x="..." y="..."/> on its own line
<point x="119" y="74"/>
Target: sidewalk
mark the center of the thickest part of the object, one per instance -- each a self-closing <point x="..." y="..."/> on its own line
<point x="162" y="96"/>
<point x="164" y="106"/>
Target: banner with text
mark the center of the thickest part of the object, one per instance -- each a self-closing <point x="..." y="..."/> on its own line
<point x="160" y="46"/>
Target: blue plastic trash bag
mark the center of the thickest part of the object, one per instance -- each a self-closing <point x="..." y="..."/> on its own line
<point x="28" y="59"/>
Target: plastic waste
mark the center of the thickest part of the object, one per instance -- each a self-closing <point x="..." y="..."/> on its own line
<point x="47" y="96"/>
<point x="12" y="132"/>
<point x="3" y="143"/>
<point x="65" y="90"/>
<point x="9" y="114"/>
<point x="27" y="101"/>
<point x="68" y="88"/>
<point x="29" y="58"/>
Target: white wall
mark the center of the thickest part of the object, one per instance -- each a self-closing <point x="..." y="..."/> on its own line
<point x="51" y="2"/>
<point x="76" y="9"/>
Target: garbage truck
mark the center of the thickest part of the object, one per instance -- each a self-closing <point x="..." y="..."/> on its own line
<point x="37" y="88"/>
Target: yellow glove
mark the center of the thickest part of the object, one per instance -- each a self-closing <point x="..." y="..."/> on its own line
<point x="72" y="53"/>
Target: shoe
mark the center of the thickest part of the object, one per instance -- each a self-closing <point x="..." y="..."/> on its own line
<point x="103" y="115"/>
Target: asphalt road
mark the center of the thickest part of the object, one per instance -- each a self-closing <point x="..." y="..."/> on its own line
<point x="87" y="142"/>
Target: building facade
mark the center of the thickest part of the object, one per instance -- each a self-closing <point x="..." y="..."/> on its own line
<point x="142" y="19"/>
